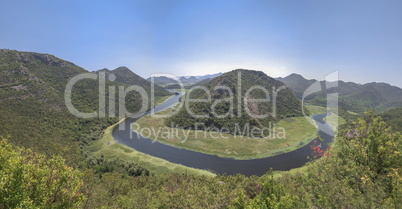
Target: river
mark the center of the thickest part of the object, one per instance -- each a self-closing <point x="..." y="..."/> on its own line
<point x="219" y="165"/>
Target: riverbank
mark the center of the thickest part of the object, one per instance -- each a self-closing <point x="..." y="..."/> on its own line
<point x="288" y="135"/>
<point x="124" y="138"/>
<point x="108" y="147"/>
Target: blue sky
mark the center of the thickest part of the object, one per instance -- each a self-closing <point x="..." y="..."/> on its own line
<point x="361" y="39"/>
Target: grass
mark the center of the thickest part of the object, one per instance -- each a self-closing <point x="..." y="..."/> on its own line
<point x="297" y="132"/>
<point x="316" y="109"/>
<point x="294" y="171"/>
<point x="159" y="100"/>
<point x="353" y="113"/>
<point x="109" y="148"/>
<point x="334" y="121"/>
<point x="182" y="90"/>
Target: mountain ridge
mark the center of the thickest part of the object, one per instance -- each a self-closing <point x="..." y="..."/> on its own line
<point x="186" y="80"/>
<point x="33" y="110"/>
<point x="355" y="97"/>
<point x="124" y="75"/>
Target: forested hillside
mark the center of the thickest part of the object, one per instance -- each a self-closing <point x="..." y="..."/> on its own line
<point x="353" y="97"/>
<point x="393" y="118"/>
<point x="225" y="101"/>
<point x="162" y="80"/>
<point x="33" y="111"/>
<point x="127" y="77"/>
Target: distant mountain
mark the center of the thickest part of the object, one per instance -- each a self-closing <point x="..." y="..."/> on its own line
<point x="200" y="83"/>
<point x="354" y="97"/>
<point x="286" y="103"/>
<point x="186" y="80"/>
<point x="127" y="77"/>
<point x="189" y="80"/>
<point x="162" y="80"/>
<point x="177" y="86"/>
<point x="297" y="83"/>
<point x="208" y="76"/>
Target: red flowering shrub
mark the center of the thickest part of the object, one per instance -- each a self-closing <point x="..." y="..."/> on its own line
<point x="318" y="152"/>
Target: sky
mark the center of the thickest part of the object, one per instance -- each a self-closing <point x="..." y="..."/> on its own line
<point x="361" y="39"/>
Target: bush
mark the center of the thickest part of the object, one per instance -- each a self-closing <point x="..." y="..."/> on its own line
<point x="30" y="180"/>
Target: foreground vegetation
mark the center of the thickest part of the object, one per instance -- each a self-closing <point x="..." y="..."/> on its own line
<point x="363" y="170"/>
<point x="30" y="180"/>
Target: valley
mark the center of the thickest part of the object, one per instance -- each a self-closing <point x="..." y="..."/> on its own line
<point x="200" y="104"/>
<point x="156" y="152"/>
<point x="294" y="146"/>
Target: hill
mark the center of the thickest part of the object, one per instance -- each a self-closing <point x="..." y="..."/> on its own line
<point x="32" y="109"/>
<point x="189" y="80"/>
<point x="354" y="97"/>
<point x="242" y="113"/>
<point x="162" y="80"/>
<point x="200" y="83"/>
<point x="127" y="77"/>
<point x="33" y="112"/>
<point x="208" y="76"/>
<point x="297" y="83"/>
<point x="186" y="80"/>
<point x="177" y="86"/>
<point x="393" y="118"/>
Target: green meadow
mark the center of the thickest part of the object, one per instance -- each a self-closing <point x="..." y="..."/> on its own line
<point x="288" y="134"/>
<point x="110" y="149"/>
<point x="315" y="109"/>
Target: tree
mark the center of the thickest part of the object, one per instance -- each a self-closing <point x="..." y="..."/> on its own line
<point x="366" y="163"/>
<point x="370" y="154"/>
<point x="30" y="180"/>
<point x="274" y="195"/>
